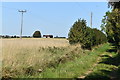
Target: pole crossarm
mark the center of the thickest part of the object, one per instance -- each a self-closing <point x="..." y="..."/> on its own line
<point x="22" y="11"/>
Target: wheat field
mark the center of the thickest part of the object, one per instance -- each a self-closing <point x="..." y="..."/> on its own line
<point x="22" y="56"/>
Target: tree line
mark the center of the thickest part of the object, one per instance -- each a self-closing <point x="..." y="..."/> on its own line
<point x="7" y="36"/>
<point x="84" y="35"/>
<point x="89" y="37"/>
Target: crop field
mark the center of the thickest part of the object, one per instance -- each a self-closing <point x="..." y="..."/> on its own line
<point x="46" y="58"/>
<point x="29" y="56"/>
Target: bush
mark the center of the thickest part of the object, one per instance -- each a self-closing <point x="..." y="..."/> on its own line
<point x="99" y="37"/>
<point x="37" y="34"/>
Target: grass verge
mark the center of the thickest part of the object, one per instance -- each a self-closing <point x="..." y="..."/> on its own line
<point x="78" y="67"/>
<point x="69" y="62"/>
<point x="108" y="68"/>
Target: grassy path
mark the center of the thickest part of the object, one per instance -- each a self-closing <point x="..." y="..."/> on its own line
<point x="81" y="66"/>
<point x="90" y="70"/>
<point x="108" y="67"/>
<point x="99" y="51"/>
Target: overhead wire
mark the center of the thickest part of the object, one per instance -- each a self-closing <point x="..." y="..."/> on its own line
<point x="36" y="16"/>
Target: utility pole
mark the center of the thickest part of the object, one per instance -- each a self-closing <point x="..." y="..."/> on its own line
<point x="91" y="20"/>
<point x="91" y="24"/>
<point x="22" y="11"/>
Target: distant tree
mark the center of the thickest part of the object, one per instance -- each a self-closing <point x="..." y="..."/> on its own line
<point x="6" y="36"/>
<point x="15" y="36"/>
<point x="37" y="34"/>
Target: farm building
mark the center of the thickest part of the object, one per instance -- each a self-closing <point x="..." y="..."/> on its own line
<point x="48" y="36"/>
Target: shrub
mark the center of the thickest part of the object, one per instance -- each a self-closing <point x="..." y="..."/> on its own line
<point x="37" y="34"/>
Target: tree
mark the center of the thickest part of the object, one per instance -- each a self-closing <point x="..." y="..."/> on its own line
<point x="99" y="37"/>
<point x="86" y="36"/>
<point x="77" y="32"/>
<point x="114" y="5"/>
<point x="80" y="33"/>
<point x="37" y="34"/>
<point x="111" y="24"/>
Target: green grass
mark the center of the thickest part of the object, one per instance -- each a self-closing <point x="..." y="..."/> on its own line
<point x="69" y="62"/>
<point x="107" y="68"/>
<point x="75" y="68"/>
<point x="71" y="69"/>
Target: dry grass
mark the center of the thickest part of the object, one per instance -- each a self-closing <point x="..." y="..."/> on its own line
<point x="35" y="42"/>
<point x="28" y="55"/>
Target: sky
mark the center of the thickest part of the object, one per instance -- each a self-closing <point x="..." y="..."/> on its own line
<point x="54" y="18"/>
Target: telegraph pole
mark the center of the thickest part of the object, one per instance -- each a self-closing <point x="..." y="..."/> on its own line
<point x="91" y="20"/>
<point x="91" y="24"/>
<point x="22" y="11"/>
